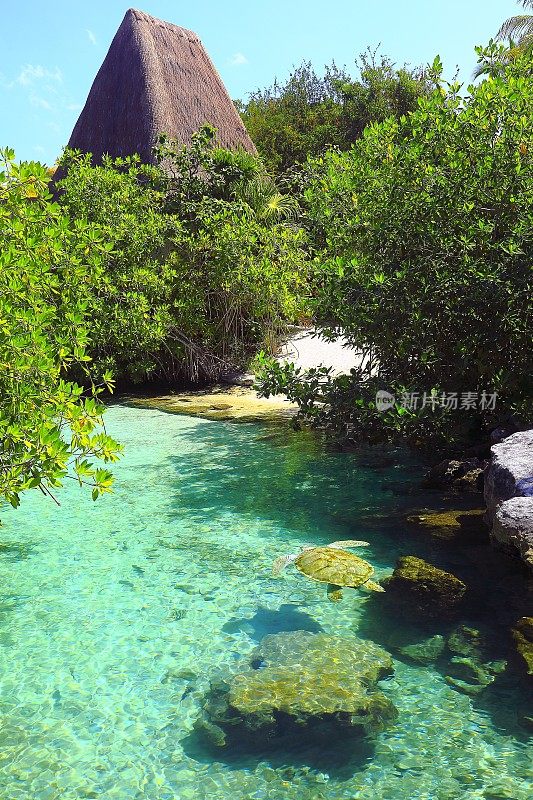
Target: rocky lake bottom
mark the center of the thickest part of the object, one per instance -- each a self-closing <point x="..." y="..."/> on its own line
<point x="117" y="619"/>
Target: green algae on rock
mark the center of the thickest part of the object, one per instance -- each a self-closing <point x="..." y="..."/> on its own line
<point x="467" y="641"/>
<point x="523" y="636"/>
<point x="455" y="524"/>
<point x="303" y="684"/>
<point x="457" y="476"/>
<point x="425" y="652"/>
<point x="361" y="659"/>
<point x="227" y="403"/>
<point x="470" y="669"/>
<point x="471" y="677"/>
<point x="429" y="590"/>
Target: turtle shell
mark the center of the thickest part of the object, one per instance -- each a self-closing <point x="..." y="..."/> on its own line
<point x="331" y="565"/>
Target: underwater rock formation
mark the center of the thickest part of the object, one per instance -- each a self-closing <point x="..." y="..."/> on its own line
<point x="457" y="476"/>
<point x="458" y="524"/>
<point x="428" y="590"/>
<point x="301" y="684"/>
<point x="470" y="670"/>
<point x="426" y="652"/>
<point x="221" y="403"/>
<point x="472" y="678"/>
<point x="523" y="636"/>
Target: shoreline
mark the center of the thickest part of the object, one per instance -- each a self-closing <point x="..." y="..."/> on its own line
<point x="224" y="403"/>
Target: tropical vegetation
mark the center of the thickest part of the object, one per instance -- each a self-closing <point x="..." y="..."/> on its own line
<point x="49" y="428"/>
<point x="518" y="31"/>
<point x="394" y="209"/>
<point x="423" y="251"/>
<point x="205" y="267"/>
<point x="516" y="39"/>
<point x="309" y="113"/>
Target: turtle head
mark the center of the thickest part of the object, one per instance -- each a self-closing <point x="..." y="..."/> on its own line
<point x="373" y="586"/>
<point x="280" y="563"/>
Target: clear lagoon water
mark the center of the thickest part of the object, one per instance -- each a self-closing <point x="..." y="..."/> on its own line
<point x="115" y="616"/>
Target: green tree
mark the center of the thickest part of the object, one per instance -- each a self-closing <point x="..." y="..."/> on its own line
<point x="309" y="113"/>
<point x="205" y="266"/>
<point x="426" y="265"/>
<point x="49" y="429"/>
<point x="130" y="304"/>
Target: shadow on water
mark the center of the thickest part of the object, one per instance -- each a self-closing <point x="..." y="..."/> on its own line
<point x="340" y="759"/>
<point x="265" y="621"/>
<point x="288" y="480"/>
<point x="496" y="598"/>
<point x="9" y="604"/>
<point x="15" y="551"/>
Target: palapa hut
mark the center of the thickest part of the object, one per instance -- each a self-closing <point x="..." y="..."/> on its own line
<point x="156" y="78"/>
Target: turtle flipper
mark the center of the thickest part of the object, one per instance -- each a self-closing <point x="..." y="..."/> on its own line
<point x="374" y="587"/>
<point x="280" y="563"/>
<point x="334" y="592"/>
<point x="348" y="543"/>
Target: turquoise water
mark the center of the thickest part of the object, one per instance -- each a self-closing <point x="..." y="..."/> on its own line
<point x="115" y="615"/>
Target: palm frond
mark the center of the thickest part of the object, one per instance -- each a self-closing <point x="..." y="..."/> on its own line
<point x="516" y="27"/>
<point x="493" y="70"/>
<point x="280" y="207"/>
<point x="524" y="47"/>
<point x="261" y="194"/>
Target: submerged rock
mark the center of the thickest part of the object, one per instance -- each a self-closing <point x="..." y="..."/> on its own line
<point x="470" y="669"/>
<point x="357" y="658"/>
<point x="426" y="652"/>
<point x="459" y="524"/>
<point x="466" y="641"/>
<point x="427" y="589"/>
<point x="470" y="677"/>
<point x="234" y="403"/>
<point x="303" y="685"/>
<point x="523" y="636"/>
<point x="457" y="476"/>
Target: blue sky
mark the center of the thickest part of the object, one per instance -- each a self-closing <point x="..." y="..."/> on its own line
<point x="51" y="51"/>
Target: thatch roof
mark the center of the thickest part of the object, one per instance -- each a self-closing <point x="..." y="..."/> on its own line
<point x="156" y="78"/>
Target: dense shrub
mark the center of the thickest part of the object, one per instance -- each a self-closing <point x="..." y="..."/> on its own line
<point x="309" y="113"/>
<point x="47" y="265"/>
<point x="426" y="227"/>
<point x="198" y="277"/>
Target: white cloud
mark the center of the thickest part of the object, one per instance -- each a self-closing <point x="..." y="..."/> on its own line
<point x="39" y="149"/>
<point x="90" y="36"/>
<point x="40" y="102"/>
<point x="74" y="107"/>
<point x="238" y="59"/>
<point x="35" y="72"/>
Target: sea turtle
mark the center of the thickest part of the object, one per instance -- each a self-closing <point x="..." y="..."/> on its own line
<point x="332" y="564"/>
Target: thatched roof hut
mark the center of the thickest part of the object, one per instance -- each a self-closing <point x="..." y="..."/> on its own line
<point x="156" y="78"/>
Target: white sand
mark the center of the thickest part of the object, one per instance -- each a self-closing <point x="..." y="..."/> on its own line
<point x="306" y="350"/>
